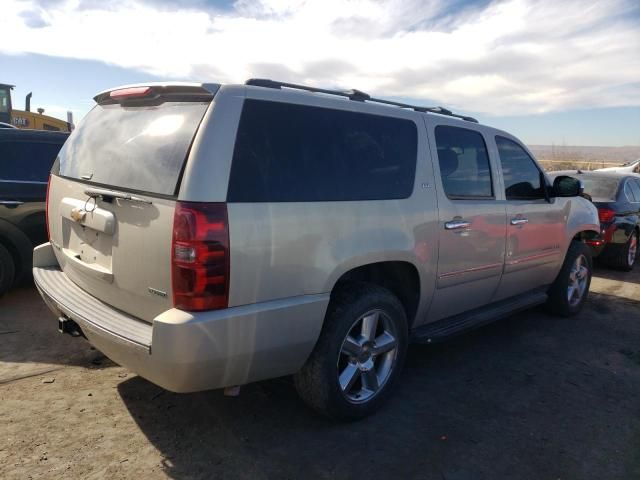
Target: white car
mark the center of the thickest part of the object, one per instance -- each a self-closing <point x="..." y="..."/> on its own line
<point x="629" y="167"/>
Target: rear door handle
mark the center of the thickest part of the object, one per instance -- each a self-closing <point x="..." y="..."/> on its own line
<point x="11" y="203"/>
<point x="519" y="221"/>
<point x="457" y="224"/>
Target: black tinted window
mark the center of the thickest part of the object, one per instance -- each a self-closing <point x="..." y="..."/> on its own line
<point x="295" y="153"/>
<point x="522" y="179"/>
<point x="136" y="148"/>
<point x="27" y="161"/>
<point x="464" y="163"/>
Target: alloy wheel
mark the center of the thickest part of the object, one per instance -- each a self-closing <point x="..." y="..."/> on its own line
<point x="578" y="278"/>
<point x="633" y="249"/>
<point x="367" y="356"/>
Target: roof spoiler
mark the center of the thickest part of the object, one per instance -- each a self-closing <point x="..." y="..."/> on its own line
<point x="156" y="93"/>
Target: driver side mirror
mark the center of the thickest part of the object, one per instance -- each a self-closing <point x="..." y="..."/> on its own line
<point x="564" y="186"/>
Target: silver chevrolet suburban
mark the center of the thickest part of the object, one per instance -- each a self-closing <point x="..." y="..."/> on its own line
<point x="207" y="236"/>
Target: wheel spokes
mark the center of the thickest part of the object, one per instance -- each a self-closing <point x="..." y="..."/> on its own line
<point x="370" y="325"/>
<point x="384" y="343"/>
<point x="351" y="347"/>
<point x="370" y="380"/>
<point x="348" y="377"/>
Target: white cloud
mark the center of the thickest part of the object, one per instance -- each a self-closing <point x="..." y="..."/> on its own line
<point x="508" y="57"/>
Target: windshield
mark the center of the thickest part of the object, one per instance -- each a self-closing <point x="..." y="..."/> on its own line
<point x="601" y="188"/>
<point x="133" y="148"/>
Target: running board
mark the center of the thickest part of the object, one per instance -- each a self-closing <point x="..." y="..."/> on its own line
<point x="448" y="327"/>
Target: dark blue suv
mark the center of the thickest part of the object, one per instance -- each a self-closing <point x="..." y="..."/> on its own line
<point x="26" y="157"/>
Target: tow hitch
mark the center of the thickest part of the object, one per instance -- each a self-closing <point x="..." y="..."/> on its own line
<point x="66" y="325"/>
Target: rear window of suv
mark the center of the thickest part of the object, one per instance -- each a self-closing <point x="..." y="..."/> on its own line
<point x="139" y="148"/>
<point x="296" y="153"/>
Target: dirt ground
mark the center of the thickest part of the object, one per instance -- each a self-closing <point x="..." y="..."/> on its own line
<point x="531" y="397"/>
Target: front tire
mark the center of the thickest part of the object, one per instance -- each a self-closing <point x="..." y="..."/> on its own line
<point x="569" y="291"/>
<point x="7" y="270"/>
<point x="359" y="355"/>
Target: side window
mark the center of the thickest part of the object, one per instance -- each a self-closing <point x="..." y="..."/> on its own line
<point x="27" y="161"/>
<point x="464" y="163"/>
<point x="297" y="153"/>
<point x="632" y="189"/>
<point x="522" y="178"/>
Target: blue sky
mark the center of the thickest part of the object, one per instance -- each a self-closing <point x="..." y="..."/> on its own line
<point x="550" y="72"/>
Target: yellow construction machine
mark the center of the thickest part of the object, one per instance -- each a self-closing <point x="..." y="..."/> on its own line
<point x="26" y="118"/>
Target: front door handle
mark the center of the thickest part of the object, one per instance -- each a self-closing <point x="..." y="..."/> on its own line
<point x="519" y="221"/>
<point x="457" y="224"/>
<point x="11" y="203"/>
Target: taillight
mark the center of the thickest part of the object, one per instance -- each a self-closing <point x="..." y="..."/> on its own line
<point x="46" y="208"/>
<point x="200" y="256"/>
<point x="606" y="215"/>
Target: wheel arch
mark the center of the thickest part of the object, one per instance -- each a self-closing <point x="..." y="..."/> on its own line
<point x="400" y="277"/>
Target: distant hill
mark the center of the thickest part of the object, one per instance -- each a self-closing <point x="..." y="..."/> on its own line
<point x="560" y="157"/>
<point x="593" y="154"/>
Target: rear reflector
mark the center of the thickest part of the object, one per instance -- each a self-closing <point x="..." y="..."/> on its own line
<point x="130" y="92"/>
<point x="200" y="256"/>
<point x="606" y="215"/>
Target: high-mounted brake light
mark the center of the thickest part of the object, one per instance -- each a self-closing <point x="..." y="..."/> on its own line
<point x="200" y="256"/>
<point x="130" y="92"/>
<point x="46" y="208"/>
<point x="606" y="215"/>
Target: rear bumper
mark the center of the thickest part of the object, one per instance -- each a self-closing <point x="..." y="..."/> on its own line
<point x="190" y="351"/>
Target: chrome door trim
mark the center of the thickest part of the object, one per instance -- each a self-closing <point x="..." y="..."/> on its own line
<point x="470" y="270"/>
<point x="529" y="258"/>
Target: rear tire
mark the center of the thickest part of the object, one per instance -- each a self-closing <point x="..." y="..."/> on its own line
<point x="623" y="257"/>
<point x="569" y="291"/>
<point x="7" y="270"/>
<point x="359" y="355"/>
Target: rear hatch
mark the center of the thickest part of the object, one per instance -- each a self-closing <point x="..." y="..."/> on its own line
<point x="113" y="192"/>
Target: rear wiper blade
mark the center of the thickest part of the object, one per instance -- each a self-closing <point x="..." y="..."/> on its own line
<point x="110" y="194"/>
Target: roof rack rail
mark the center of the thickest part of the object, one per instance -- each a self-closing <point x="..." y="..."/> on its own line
<point x="356" y="95"/>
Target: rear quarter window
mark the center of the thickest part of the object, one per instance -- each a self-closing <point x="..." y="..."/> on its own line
<point x="296" y="153"/>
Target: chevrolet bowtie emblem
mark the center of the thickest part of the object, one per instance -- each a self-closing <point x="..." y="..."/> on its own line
<point x="78" y="214"/>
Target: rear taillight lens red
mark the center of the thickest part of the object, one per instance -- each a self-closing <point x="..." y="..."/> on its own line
<point x="46" y="208"/>
<point x="606" y="215"/>
<point x="200" y="256"/>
